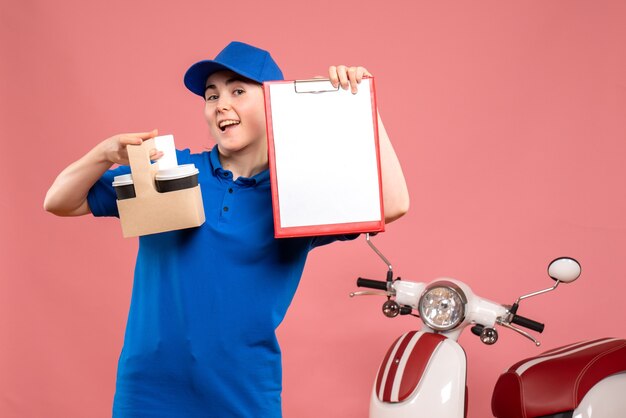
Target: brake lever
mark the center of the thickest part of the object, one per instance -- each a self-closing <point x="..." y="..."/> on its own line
<point x="369" y="293"/>
<point x="499" y="321"/>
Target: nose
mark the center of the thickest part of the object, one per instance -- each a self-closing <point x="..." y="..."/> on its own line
<point x="223" y="104"/>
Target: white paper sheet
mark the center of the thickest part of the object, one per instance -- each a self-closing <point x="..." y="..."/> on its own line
<point x="325" y="154"/>
<point x="165" y="143"/>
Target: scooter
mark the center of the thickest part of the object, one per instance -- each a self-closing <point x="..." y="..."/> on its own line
<point x="423" y="373"/>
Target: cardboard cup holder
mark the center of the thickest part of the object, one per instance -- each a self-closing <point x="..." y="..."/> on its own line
<point x="152" y="201"/>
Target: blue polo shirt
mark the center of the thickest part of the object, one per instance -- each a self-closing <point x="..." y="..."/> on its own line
<point x="200" y="338"/>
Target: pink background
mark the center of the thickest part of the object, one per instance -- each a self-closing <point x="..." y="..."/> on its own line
<point x="509" y="119"/>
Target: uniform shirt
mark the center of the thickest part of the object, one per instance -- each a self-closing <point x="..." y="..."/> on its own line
<point x="200" y="338"/>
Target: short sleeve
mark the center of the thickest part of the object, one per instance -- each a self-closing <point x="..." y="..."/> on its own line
<point x="183" y="156"/>
<point x="101" y="197"/>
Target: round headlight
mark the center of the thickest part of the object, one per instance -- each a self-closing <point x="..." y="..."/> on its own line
<point x="442" y="306"/>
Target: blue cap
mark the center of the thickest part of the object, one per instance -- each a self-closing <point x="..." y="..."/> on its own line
<point x="246" y="60"/>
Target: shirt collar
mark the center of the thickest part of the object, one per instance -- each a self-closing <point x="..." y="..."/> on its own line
<point x="218" y="171"/>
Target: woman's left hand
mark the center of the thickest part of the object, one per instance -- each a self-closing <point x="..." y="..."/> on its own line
<point x="347" y="77"/>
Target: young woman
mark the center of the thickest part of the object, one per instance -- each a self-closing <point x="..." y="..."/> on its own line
<point x="200" y="339"/>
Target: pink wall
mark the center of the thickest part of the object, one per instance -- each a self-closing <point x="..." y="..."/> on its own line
<point x="509" y="119"/>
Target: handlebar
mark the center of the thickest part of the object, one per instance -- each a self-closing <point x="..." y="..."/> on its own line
<point x="528" y="323"/>
<point x="372" y="284"/>
<point x="515" y="319"/>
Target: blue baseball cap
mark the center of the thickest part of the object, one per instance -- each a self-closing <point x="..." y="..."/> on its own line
<point x="246" y="60"/>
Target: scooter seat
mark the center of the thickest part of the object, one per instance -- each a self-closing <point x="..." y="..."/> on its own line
<point x="557" y="380"/>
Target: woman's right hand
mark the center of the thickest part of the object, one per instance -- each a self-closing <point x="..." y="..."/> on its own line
<point x="114" y="148"/>
<point x="68" y="194"/>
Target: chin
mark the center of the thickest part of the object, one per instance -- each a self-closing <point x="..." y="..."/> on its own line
<point x="234" y="144"/>
<point x="231" y="146"/>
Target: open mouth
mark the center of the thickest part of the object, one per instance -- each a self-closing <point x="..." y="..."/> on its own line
<point x="226" y="124"/>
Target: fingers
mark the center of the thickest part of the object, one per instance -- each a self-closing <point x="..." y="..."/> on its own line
<point x="347" y="77"/>
<point x="155" y="154"/>
<point x="352" y="79"/>
<point x="361" y="72"/>
<point x="342" y="75"/>
<point x="130" y="139"/>
<point x="332" y="75"/>
<point x="146" y="135"/>
<point x="338" y="76"/>
<point x="121" y="157"/>
<point x="137" y="138"/>
<point x="114" y="148"/>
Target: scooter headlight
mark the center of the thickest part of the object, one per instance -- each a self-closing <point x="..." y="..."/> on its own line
<point x="442" y="306"/>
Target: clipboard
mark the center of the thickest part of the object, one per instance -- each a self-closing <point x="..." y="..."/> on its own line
<point x="324" y="158"/>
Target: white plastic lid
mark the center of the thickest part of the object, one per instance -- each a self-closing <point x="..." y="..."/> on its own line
<point x="124" y="180"/>
<point x="177" y="172"/>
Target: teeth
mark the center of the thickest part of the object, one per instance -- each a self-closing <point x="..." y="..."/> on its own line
<point x="223" y="124"/>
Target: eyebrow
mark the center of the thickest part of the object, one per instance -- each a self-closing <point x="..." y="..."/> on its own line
<point x="229" y="81"/>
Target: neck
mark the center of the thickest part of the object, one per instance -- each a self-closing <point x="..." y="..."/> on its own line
<point x="246" y="162"/>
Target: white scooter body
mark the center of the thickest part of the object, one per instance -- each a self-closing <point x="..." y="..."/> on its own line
<point x="605" y="399"/>
<point x="440" y="391"/>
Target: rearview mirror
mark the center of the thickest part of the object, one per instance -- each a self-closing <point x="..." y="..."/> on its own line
<point x="564" y="269"/>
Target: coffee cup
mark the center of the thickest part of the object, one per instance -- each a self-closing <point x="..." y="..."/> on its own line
<point x="124" y="187"/>
<point x="176" y="178"/>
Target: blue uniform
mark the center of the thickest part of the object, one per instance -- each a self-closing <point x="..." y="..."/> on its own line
<point x="200" y="339"/>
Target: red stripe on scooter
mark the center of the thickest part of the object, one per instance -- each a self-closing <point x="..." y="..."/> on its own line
<point x="417" y="362"/>
<point x="383" y="366"/>
<point x="391" y="376"/>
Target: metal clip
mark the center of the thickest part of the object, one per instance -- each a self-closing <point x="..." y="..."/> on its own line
<point x="314" y="85"/>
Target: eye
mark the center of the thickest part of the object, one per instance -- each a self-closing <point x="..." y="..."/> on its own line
<point x="211" y="97"/>
<point x="238" y="92"/>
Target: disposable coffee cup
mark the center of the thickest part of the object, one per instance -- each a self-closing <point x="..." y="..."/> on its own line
<point x="124" y="187"/>
<point x="176" y="178"/>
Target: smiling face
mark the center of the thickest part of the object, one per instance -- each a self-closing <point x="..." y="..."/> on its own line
<point x="234" y="110"/>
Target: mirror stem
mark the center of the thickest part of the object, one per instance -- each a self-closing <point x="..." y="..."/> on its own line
<point x="537" y="293"/>
<point x="382" y="257"/>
